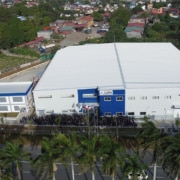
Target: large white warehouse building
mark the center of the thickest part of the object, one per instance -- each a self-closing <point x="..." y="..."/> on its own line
<point x="138" y="79"/>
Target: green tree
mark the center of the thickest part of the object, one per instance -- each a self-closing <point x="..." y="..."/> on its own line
<point x="116" y="34"/>
<point x="45" y="163"/>
<point x="137" y="9"/>
<point x="112" y="155"/>
<point x="151" y="139"/>
<point x="133" y="165"/>
<point x="67" y="147"/>
<point x="97" y="16"/>
<point x="121" y="17"/>
<point x="12" y="154"/>
<point x="171" y="156"/>
<point x="89" y="151"/>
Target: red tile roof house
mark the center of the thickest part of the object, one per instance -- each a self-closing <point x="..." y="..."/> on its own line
<point x="33" y="43"/>
<point x="136" y="24"/>
<point x="88" y="20"/>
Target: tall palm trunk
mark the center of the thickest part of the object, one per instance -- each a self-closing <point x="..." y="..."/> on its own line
<point x="93" y="176"/>
<point x="54" y="178"/>
<point x="54" y="171"/>
<point x="176" y="177"/>
<point x="18" y="173"/>
<point x="155" y="167"/>
<point x="72" y="169"/>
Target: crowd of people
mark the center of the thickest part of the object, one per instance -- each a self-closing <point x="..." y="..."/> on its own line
<point x="79" y="120"/>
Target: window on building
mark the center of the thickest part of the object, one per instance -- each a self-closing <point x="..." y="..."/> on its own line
<point x="119" y="113"/>
<point x="155" y="97"/>
<point x="119" y="98"/>
<point x="17" y="99"/>
<point x="2" y="99"/>
<point x="143" y="97"/>
<point x="107" y="114"/>
<point x="142" y="113"/>
<point x="45" y="96"/>
<point x="167" y="97"/>
<point x="16" y="108"/>
<point x="107" y="98"/>
<point x="130" y="113"/>
<point x="89" y="95"/>
<point x="131" y="98"/>
<point x="3" y="108"/>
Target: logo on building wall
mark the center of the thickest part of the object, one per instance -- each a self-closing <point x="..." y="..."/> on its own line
<point x="108" y="92"/>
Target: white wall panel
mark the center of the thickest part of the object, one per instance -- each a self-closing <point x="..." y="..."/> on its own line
<point x="57" y="101"/>
<point x="159" y="101"/>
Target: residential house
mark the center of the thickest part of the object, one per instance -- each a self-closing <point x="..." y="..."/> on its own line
<point x="88" y="20"/>
<point x="46" y="34"/>
<point x="35" y="43"/>
<point x="135" y="27"/>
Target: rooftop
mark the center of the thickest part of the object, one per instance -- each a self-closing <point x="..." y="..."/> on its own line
<point x="121" y="65"/>
<point x="14" y="87"/>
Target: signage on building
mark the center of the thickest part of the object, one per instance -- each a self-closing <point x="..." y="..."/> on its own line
<point x="107" y="92"/>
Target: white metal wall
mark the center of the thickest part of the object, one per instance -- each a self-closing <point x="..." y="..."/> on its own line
<point x="56" y="101"/>
<point x="156" y="102"/>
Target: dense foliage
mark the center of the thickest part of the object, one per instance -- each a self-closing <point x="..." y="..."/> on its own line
<point x="14" y="31"/>
<point x="87" y="150"/>
<point x="25" y="51"/>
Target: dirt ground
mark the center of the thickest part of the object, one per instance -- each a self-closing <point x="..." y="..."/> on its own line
<point x="76" y="37"/>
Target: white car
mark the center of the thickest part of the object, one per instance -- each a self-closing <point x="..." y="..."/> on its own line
<point x="140" y="176"/>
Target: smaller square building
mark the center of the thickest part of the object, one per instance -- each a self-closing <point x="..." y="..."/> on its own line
<point x="15" y="96"/>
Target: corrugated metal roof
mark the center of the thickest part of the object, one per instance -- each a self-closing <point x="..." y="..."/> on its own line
<point x="136" y="24"/>
<point x="66" y="28"/>
<point x="133" y="28"/>
<point x="118" y="65"/>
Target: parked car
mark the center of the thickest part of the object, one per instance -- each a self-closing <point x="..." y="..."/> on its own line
<point x="140" y="176"/>
<point x="102" y="30"/>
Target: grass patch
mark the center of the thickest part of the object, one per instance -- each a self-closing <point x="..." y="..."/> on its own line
<point x="14" y="114"/>
<point x="10" y="62"/>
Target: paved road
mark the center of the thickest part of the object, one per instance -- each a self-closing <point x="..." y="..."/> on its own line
<point x="27" y="75"/>
<point x="64" y="173"/>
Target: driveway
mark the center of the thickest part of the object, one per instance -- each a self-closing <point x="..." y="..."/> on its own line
<point x="76" y="37"/>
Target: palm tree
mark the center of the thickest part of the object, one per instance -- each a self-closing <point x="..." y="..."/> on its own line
<point x="171" y="155"/>
<point x="67" y="147"/>
<point x="13" y="154"/>
<point x="112" y="155"/>
<point x="151" y="139"/>
<point x="133" y="166"/>
<point x="89" y="153"/>
<point x="7" y="174"/>
<point x="44" y="164"/>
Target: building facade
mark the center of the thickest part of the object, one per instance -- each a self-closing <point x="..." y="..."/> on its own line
<point x="135" y="79"/>
<point x="15" y="96"/>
